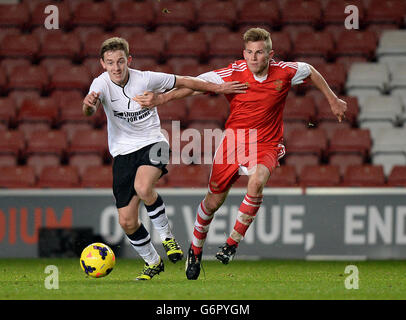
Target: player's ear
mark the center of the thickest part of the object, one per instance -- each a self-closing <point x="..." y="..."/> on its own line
<point x="271" y="54"/>
<point x="129" y="59"/>
<point x="103" y="64"/>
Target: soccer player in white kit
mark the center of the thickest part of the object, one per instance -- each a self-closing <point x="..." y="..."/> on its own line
<point x="139" y="149"/>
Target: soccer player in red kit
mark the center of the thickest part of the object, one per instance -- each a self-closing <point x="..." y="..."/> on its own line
<point x="256" y="119"/>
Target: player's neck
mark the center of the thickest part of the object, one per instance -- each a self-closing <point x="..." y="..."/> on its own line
<point x="262" y="73"/>
<point x="124" y="81"/>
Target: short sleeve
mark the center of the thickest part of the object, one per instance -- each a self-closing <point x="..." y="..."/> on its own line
<point x="160" y="82"/>
<point x="211" y="76"/>
<point x="302" y="72"/>
<point x="98" y="86"/>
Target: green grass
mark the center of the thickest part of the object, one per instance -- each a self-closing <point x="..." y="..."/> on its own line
<point x="243" y="280"/>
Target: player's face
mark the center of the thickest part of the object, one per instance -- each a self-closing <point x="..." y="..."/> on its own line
<point x="257" y="57"/>
<point x="116" y="64"/>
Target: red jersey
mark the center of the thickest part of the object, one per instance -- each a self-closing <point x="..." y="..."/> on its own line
<point x="261" y="107"/>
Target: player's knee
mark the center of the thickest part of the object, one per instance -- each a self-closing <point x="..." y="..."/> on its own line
<point x="129" y="224"/>
<point x="255" y="186"/>
<point x="212" y="204"/>
<point x="144" y="192"/>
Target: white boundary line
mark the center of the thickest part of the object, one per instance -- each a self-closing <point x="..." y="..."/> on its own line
<point x="331" y="257"/>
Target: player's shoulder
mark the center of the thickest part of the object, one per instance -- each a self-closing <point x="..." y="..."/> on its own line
<point x="237" y="66"/>
<point x="283" y="65"/>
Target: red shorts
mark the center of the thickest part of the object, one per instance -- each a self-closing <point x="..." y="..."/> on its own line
<point x="232" y="160"/>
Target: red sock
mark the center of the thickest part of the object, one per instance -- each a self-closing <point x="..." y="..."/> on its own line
<point x="202" y="224"/>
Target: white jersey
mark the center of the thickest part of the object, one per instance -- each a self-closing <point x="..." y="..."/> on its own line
<point x="130" y="127"/>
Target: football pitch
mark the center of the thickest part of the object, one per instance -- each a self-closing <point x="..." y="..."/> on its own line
<point x="240" y="280"/>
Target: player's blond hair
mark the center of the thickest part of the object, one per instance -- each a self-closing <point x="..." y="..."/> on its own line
<point x="258" y="34"/>
<point x="113" y="44"/>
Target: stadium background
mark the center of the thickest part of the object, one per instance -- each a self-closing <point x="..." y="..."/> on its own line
<point x="47" y="144"/>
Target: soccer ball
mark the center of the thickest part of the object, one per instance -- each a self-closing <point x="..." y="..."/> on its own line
<point x="97" y="260"/>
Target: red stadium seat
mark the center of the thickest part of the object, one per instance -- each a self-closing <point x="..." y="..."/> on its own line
<point x="8" y="160"/>
<point x="149" y="45"/>
<point x="83" y="161"/>
<point x="301" y="160"/>
<point x="301" y="109"/>
<point x="334" y="11"/>
<point x="351" y="115"/>
<point x="284" y="176"/>
<point x="92" y="13"/>
<point x="335" y="74"/>
<point x="193" y="45"/>
<point x="330" y="126"/>
<point x="39" y="161"/>
<point x="38" y="15"/>
<point x="8" y="111"/>
<point x="94" y="66"/>
<point x="52" y="64"/>
<point x="47" y="142"/>
<point x="8" y="64"/>
<point x="29" y="78"/>
<point x="188" y="176"/>
<point x="397" y="176"/>
<point x="192" y="69"/>
<point x="364" y="176"/>
<point x="97" y="177"/>
<point x="89" y="141"/>
<point x="130" y="13"/>
<point x="313" y="141"/>
<point x="14" y="15"/>
<point x="28" y="128"/>
<point x="19" y="46"/>
<point x="92" y="42"/>
<point x="12" y="142"/>
<point x="320" y="176"/>
<point x="228" y="45"/>
<point x="303" y="12"/>
<point x="216" y="13"/>
<point x="59" y="44"/>
<point x="356" y="43"/>
<point x="59" y="177"/>
<point x="390" y="11"/>
<point x="71" y="77"/>
<point x="259" y="13"/>
<point x="175" y="110"/>
<point x="342" y="161"/>
<point x="351" y="141"/>
<point x="44" y="109"/>
<point x="207" y="108"/>
<point x="310" y="44"/>
<point x="17" y="177"/>
<point x="175" y="13"/>
<point x="282" y="45"/>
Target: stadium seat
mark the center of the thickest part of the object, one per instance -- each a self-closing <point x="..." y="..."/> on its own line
<point x="207" y="108"/>
<point x="47" y="142"/>
<point x="175" y="13"/>
<point x="44" y="110"/>
<point x="390" y="11"/>
<point x="193" y="45"/>
<point x="92" y="42"/>
<point x="382" y="108"/>
<point x="8" y="111"/>
<point x="89" y="142"/>
<point x="28" y="128"/>
<point x="188" y="176"/>
<point x="39" y="161"/>
<point x="17" y="177"/>
<point x="304" y="12"/>
<point x="261" y="13"/>
<point x="216" y="13"/>
<point x="19" y="46"/>
<point x="342" y="161"/>
<point x="12" y="143"/>
<point x="83" y="161"/>
<point x="310" y="44"/>
<point x="320" y="176"/>
<point x="390" y="140"/>
<point x="97" y="177"/>
<point x="392" y="42"/>
<point x="70" y="128"/>
<point x="364" y="176"/>
<point x="398" y="76"/>
<point x="397" y="176"/>
<point x="8" y="160"/>
<point x="8" y="64"/>
<point x="20" y="95"/>
<point x="71" y="77"/>
<point x="388" y="161"/>
<point x="334" y="13"/>
<point x="351" y="141"/>
<point x="149" y="45"/>
<point x="324" y="112"/>
<point x="38" y="15"/>
<point x="14" y="15"/>
<point x="335" y="74"/>
<point x="368" y="75"/>
<point x="330" y="126"/>
<point x="94" y="66"/>
<point x="92" y="13"/>
<point x="226" y="45"/>
<point x="58" y="177"/>
<point x="28" y="78"/>
<point x="130" y="13"/>
<point x="307" y="141"/>
<point x="282" y="45"/>
<point x="192" y="69"/>
<point x="174" y="110"/>
<point x="57" y="44"/>
<point x="71" y="112"/>
<point x="284" y="176"/>
<point x="52" y="64"/>
<point x="301" y="108"/>
<point x="300" y="160"/>
<point x="356" y="43"/>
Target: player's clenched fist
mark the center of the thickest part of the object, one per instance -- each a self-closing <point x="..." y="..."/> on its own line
<point x="90" y="103"/>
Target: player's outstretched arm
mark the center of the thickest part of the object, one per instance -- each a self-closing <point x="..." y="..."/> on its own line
<point x="90" y="103"/>
<point x="338" y="106"/>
